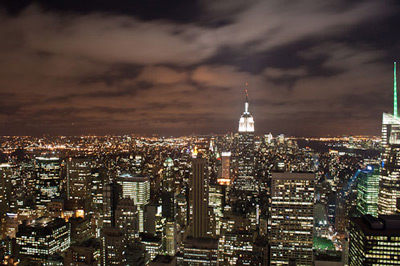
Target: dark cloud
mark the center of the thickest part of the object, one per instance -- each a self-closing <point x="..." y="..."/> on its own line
<point x="313" y="67"/>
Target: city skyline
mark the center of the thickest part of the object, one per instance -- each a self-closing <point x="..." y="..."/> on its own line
<point x="313" y="69"/>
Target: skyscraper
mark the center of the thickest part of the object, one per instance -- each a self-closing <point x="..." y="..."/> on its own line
<point x="225" y="177"/>
<point x="198" y="198"/>
<point x="389" y="184"/>
<point x="78" y="178"/>
<point x="245" y="151"/>
<point x="292" y="218"/>
<point x="138" y="189"/>
<point x="367" y="190"/>
<point x="47" y="179"/>
<point x="5" y="187"/>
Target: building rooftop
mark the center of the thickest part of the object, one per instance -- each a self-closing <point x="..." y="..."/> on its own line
<point x="201" y="242"/>
<point x="130" y="177"/>
<point x="385" y="225"/>
<point x="165" y="259"/>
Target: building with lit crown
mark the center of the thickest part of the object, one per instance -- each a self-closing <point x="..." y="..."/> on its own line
<point x="389" y="184"/>
<point x="245" y="180"/>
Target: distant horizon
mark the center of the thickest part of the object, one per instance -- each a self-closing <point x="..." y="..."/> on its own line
<point x="189" y="135"/>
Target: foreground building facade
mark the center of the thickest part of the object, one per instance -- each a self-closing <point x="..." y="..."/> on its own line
<point x="292" y="218"/>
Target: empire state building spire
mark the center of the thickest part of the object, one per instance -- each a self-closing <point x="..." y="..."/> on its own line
<point x="246" y="104"/>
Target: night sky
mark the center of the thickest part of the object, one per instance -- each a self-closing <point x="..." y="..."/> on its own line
<point x="314" y="67"/>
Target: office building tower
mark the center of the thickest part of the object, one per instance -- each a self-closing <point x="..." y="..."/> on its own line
<point x="374" y="241"/>
<point x="150" y="213"/>
<point x="216" y="199"/>
<point x="245" y="180"/>
<point x="5" y="188"/>
<point x="389" y="184"/>
<point x="168" y="190"/>
<point x="225" y="178"/>
<point x="126" y="218"/>
<point x="112" y="193"/>
<point x="291" y="218"/>
<point x="42" y="238"/>
<point x="198" y="198"/>
<point x="367" y="190"/>
<point x="236" y="248"/>
<point x="86" y="253"/>
<point x="81" y="229"/>
<point x="168" y="200"/>
<point x="112" y="246"/>
<point x="100" y="178"/>
<point x="170" y="238"/>
<point x="200" y="251"/>
<point x="138" y="189"/>
<point x="182" y="210"/>
<point x="79" y="180"/>
<point x="153" y="244"/>
<point x="168" y="178"/>
<point x="48" y="180"/>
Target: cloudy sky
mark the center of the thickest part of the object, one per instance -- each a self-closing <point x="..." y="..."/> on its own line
<point x="179" y="67"/>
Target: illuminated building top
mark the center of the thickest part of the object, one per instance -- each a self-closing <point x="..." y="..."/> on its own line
<point x="246" y="122"/>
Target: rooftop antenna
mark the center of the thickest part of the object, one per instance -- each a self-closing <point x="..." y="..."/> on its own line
<point x="395" y="93"/>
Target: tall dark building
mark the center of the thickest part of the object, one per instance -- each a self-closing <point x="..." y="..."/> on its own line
<point x="198" y="198"/>
<point x="5" y="187"/>
<point x="111" y="196"/>
<point x="245" y="180"/>
<point x="374" y="241"/>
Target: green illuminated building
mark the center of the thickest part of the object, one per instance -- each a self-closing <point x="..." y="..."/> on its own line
<point x="368" y="188"/>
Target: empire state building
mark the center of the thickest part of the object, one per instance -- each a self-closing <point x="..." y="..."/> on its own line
<point x="245" y="153"/>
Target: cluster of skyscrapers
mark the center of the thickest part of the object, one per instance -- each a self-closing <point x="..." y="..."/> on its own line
<point x="235" y="199"/>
